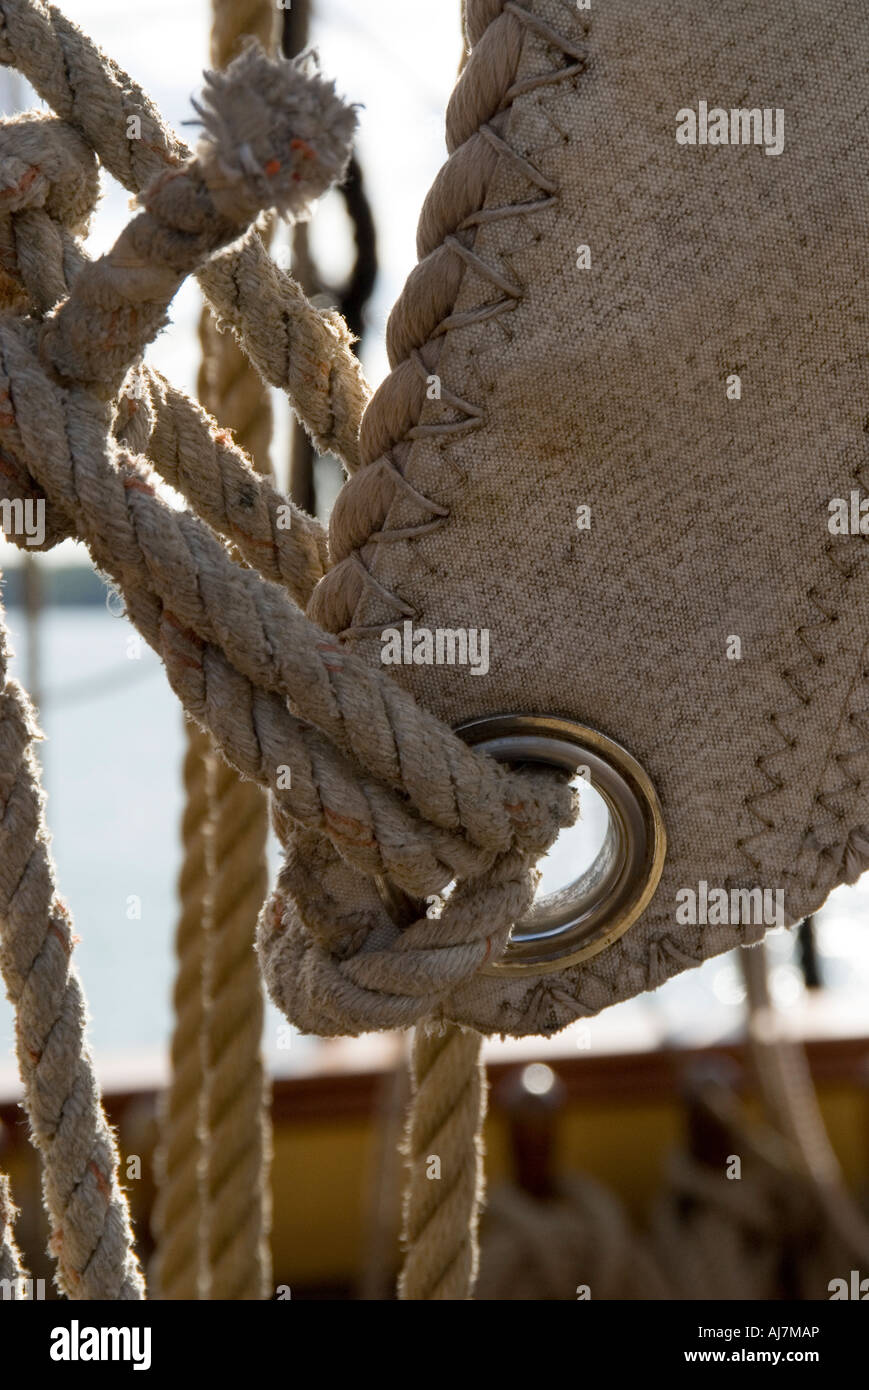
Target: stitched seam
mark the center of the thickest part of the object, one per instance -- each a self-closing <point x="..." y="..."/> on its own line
<point x="512" y="292"/>
<point x="777" y="784"/>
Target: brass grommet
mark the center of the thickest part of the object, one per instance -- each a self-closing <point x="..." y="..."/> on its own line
<point x="587" y="915"/>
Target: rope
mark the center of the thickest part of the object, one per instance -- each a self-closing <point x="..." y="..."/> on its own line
<point x="476" y="125"/>
<point x="259" y="121"/>
<point x="538" y="1251"/>
<point x="440" y="1227"/>
<point x="792" y="1102"/>
<point x="236" y="1120"/>
<point x="178" y="1207"/>
<point x="47" y="197"/>
<point x="445" y="1127"/>
<point x="91" y="1238"/>
<point x="424" y="781"/>
<point x="237" y="652"/>
<point x="214" y="473"/>
<point x="47" y="203"/>
<point x="373" y="829"/>
<point x="238" y="1147"/>
<point x="294" y="347"/>
<point x="392" y="789"/>
<point x="11" y="1269"/>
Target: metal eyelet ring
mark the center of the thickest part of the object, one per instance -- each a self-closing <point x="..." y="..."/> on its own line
<point x="593" y="911"/>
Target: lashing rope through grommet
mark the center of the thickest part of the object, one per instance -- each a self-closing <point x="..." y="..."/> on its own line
<point x="593" y="910"/>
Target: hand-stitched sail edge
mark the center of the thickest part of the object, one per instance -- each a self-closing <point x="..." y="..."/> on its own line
<point x="477" y="122"/>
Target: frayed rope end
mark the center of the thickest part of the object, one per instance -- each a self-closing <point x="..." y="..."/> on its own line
<point x="275" y="135"/>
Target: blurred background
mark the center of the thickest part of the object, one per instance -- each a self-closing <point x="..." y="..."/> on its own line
<point x="611" y="1099"/>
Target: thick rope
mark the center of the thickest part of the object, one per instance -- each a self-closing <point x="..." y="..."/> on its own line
<point x="543" y="1250"/>
<point x="370" y="734"/>
<point x="12" y="1270"/>
<point x="91" y="1237"/>
<point x="238" y="1145"/>
<point x="176" y="578"/>
<point x="273" y="137"/>
<point x="445" y="1165"/>
<point x="406" y="873"/>
<point x="294" y="347"/>
<point x="108" y="277"/>
<point x="213" y="473"/>
<point x="236" y="1120"/>
<point x="178" y="1219"/>
<point x="87" y="347"/>
<point x="207" y="618"/>
<point x="48" y="187"/>
<point x="792" y="1103"/>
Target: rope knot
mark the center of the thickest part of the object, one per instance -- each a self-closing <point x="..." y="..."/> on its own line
<point x="336" y="969"/>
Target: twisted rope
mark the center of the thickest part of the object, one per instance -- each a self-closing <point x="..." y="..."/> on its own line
<point x="540" y="1250"/>
<point x="238" y="1150"/>
<point x="11" y="1269"/>
<point x="792" y="1103"/>
<point x="176" y="578"/>
<point x="236" y="1122"/>
<point x="414" y="802"/>
<point x="178" y="1207"/>
<point x="294" y="347"/>
<point x="273" y="136"/>
<point x="91" y="1237"/>
<point x="397" y="846"/>
<point x="445" y="1123"/>
<point x="237" y="651"/>
<point x="48" y="187"/>
<point x="372" y="734"/>
<point x="55" y="336"/>
<point x="213" y="472"/>
<point x="438" y="1224"/>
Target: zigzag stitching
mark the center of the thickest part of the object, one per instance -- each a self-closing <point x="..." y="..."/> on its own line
<point x="846" y="568"/>
<point x="481" y="267"/>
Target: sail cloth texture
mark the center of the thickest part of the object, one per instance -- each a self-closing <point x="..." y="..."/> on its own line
<point x="611" y="383"/>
